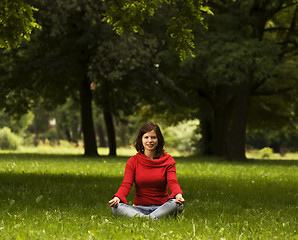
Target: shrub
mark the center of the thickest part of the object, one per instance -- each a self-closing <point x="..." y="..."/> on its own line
<point x="266" y="152"/>
<point x="9" y="140"/>
<point x="182" y="137"/>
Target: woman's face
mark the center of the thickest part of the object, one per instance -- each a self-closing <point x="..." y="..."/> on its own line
<point x="150" y="141"/>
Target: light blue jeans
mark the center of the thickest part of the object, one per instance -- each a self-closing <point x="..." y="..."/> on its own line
<point x="170" y="208"/>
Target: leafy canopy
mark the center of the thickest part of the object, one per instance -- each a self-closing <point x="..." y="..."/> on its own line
<point x="130" y="15"/>
<point x="16" y="22"/>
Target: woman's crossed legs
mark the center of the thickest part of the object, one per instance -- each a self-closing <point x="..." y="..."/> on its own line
<point x="169" y="208"/>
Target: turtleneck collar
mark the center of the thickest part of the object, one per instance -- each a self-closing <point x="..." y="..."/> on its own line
<point x="164" y="160"/>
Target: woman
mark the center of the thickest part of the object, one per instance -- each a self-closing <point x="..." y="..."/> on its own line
<point x="152" y="170"/>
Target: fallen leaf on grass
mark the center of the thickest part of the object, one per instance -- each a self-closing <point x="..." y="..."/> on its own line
<point x="38" y="199"/>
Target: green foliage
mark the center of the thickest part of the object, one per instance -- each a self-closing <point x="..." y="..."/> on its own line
<point x="266" y="152"/>
<point x="122" y="72"/>
<point x="120" y="55"/>
<point x="281" y="139"/>
<point x="66" y="197"/>
<point x="130" y="15"/>
<point x="56" y="60"/>
<point x="16" y="22"/>
<point x="182" y="137"/>
<point x="51" y="135"/>
<point x="41" y="120"/>
<point x="183" y="37"/>
<point x="68" y="121"/>
<point x="235" y="58"/>
<point x="9" y="140"/>
<point x="74" y="45"/>
<point x="17" y="125"/>
<point x="240" y="66"/>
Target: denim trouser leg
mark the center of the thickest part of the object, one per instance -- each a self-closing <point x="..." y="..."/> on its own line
<point x="155" y="212"/>
<point x="124" y="210"/>
<point x="167" y="209"/>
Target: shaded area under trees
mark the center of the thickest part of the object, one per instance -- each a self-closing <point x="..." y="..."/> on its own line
<point x="243" y="75"/>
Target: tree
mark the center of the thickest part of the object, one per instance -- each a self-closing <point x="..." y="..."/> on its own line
<point x="120" y="72"/>
<point x="54" y="66"/>
<point x="16" y="22"/>
<point x="75" y="51"/>
<point x="247" y="51"/>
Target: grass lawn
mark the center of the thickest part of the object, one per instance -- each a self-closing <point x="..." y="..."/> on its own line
<point x="64" y="196"/>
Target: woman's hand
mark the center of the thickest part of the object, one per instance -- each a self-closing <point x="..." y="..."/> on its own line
<point x="114" y="202"/>
<point x="179" y="198"/>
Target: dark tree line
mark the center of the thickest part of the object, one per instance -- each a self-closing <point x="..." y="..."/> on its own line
<point x="243" y="72"/>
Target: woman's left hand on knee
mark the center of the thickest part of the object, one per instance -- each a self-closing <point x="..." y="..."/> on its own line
<point x="179" y="198"/>
<point x="114" y="202"/>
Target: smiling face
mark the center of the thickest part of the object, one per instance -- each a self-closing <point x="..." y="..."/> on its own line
<point x="150" y="141"/>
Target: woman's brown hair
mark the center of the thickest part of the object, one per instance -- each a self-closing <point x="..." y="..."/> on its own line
<point x="148" y="127"/>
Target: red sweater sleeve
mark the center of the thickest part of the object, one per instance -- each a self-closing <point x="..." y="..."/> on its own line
<point x="172" y="181"/>
<point x="128" y="180"/>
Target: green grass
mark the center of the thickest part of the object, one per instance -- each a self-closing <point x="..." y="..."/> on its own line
<point x="63" y="196"/>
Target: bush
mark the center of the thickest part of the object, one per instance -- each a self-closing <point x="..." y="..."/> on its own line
<point x="266" y="152"/>
<point x="9" y="140"/>
<point x="183" y="137"/>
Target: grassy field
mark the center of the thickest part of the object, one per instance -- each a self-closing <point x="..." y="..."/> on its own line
<point x="64" y="196"/>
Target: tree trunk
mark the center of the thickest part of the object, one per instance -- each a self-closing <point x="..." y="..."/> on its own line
<point x="230" y="115"/>
<point x="206" y="142"/>
<point x="90" y="145"/>
<point x="220" y="131"/>
<point x="101" y="136"/>
<point x="237" y="128"/>
<point x="222" y="115"/>
<point x="67" y="134"/>
<point x="76" y="131"/>
<point x="111" y="132"/>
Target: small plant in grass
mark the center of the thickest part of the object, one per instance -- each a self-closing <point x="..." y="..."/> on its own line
<point x="9" y="140"/>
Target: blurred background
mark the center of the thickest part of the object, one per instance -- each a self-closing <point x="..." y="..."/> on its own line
<point x="220" y="77"/>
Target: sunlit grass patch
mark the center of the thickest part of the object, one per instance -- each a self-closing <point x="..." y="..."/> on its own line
<point x="64" y="196"/>
<point x="68" y="148"/>
<point x="257" y="154"/>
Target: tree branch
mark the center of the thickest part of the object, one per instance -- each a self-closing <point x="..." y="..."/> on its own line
<point x="272" y="92"/>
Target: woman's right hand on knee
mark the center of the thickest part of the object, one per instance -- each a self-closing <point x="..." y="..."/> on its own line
<point x="114" y="202"/>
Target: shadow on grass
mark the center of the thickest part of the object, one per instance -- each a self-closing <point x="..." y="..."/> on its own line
<point x="218" y="160"/>
<point x="50" y="191"/>
<point x="43" y="191"/>
<point x="286" y="162"/>
<point x="188" y="159"/>
<point x="57" y="157"/>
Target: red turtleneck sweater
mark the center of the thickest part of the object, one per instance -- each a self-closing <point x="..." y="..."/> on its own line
<point x="151" y="177"/>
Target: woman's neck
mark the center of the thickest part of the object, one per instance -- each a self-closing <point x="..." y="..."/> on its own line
<point x="149" y="154"/>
